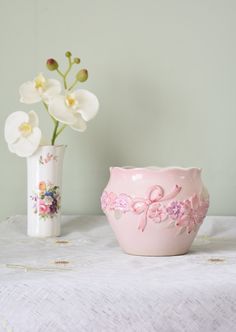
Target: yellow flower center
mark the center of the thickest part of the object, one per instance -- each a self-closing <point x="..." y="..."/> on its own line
<point x="39" y="82"/>
<point x="70" y="101"/>
<point x="25" y="128"/>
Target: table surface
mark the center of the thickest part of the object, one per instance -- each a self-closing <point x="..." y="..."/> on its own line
<point x="82" y="281"/>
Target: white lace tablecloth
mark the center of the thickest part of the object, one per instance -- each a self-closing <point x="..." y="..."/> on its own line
<point x="82" y="281"/>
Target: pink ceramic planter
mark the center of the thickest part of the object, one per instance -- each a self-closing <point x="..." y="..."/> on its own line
<point x="155" y="211"/>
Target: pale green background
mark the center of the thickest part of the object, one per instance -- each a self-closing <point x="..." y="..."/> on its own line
<point x="165" y="75"/>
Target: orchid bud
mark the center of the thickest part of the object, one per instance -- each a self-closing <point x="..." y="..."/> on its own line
<point x="68" y="54"/>
<point x="52" y="64"/>
<point x="77" y="60"/>
<point x="82" y="75"/>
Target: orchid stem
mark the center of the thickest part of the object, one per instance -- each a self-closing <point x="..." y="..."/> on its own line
<point x="73" y="85"/>
<point x="63" y="77"/>
<point x="46" y="107"/>
<point x="60" y="130"/>
<point x="60" y="73"/>
<point x="67" y="71"/>
<point x="57" y="131"/>
<point x="54" y="135"/>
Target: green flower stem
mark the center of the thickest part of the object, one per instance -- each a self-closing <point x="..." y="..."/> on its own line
<point x="56" y="124"/>
<point x="57" y="131"/>
<point x="60" y="73"/>
<point x="54" y="135"/>
<point x="63" y="77"/>
<point x="46" y="107"/>
<point x="60" y="130"/>
<point x="67" y="72"/>
<point x="73" y="85"/>
<point x="69" y="60"/>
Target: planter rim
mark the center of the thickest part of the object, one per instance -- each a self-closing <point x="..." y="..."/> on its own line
<point x="155" y="168"/>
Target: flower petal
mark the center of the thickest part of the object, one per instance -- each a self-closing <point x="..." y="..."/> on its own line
<point x="88" y="104"/>
<point x="57" y="108"/>
<point x="14" y="120"/>
<point x="33" y="119"/>
<point x="28" y="93"/>
<point x="26" y="146"/>
<point x="53" y="88"/>
<point x="194" y="202"/>
<point x="11" y="147"/>
<point x="79" y="124"/>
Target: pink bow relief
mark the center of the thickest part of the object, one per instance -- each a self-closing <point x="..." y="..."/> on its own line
<point x="151" y="208"/>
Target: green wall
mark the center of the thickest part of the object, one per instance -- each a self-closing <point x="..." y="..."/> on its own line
<point x="165" y="75"/>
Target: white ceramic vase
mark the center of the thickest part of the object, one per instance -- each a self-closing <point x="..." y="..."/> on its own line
<point x="44" y="170"/>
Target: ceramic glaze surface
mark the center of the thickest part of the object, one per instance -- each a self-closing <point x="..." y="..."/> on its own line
<point x="44" y="170"/>
<point x="155" y="211"/>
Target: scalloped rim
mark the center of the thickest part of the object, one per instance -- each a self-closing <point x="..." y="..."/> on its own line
<point x="155" y="168"/>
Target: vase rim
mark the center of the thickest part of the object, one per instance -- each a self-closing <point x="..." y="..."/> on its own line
<point x="155" y="168"/>
<point x="50" y="145"/>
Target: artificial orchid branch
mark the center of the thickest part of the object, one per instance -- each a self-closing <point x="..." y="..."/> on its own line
<point x="81" y="76"/>
<point x="71" y="108"/>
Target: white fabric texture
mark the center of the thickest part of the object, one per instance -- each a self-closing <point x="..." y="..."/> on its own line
<point x="82" y="281"/>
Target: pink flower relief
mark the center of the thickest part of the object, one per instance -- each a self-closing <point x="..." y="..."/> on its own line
<point x="123" y="203"/>
<point x="104" y="200"/>
<point x="175" y="210"/>
<point x="186" y="215"/>
<point x="202" y="211"/>
<point x="187" y="220"/>
<point x="194" y="213"/>
<point x="157" y="212"/>
<point x="108" y="201"/>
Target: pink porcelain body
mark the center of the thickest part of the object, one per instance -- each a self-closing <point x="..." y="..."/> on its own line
<point x="155" y="211"/>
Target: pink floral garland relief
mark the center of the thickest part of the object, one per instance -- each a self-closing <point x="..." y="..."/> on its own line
<point x="186" y="214"/>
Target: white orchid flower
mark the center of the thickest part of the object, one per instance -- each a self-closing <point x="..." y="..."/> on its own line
<point x="74" y="109"/>
<point x="22" y="133"/>
<point x="39" y="89"/>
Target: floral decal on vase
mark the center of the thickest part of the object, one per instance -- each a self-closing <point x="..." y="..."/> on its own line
<point x="47" y="200"/>
<point x="186" y="215"/>
<point x="49" y="157"/>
